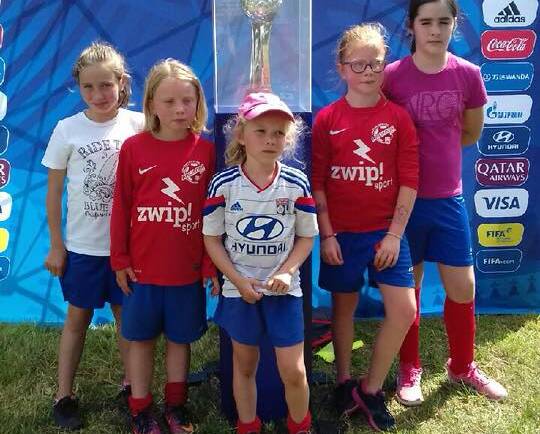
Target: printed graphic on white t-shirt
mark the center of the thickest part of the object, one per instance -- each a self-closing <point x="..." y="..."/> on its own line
<point x="88" y="151"/>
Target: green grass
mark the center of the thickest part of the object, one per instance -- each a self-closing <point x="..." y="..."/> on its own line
<point x="508" y="347"/>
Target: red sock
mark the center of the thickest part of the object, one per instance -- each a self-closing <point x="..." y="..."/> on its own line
<point x="304" y="425"/>
<point x="254" y="426"/>
<point x="460" y="328"/>
<point x="409" y="354"/>
<point x="136" y="405"/>
<point x="176" y="393"/>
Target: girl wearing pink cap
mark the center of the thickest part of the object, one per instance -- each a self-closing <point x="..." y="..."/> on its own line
<point x="266" y="212"/>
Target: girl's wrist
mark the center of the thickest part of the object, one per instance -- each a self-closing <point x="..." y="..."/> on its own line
<point x="327" y="237"/>
<point x="394" y="235"/>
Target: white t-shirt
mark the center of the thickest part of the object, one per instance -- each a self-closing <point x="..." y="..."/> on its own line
<point x="260" y="225"/>
<point x="89" y="151"/>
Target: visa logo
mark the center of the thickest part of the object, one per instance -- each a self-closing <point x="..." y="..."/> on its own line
<point x="500" y="235"/>
<point x="498" y="260"/>
<point x="501" y="202"/>
<point x="497" y="141"/>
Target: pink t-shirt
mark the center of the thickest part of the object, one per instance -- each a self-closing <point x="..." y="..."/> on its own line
<point x="436" y="103"/>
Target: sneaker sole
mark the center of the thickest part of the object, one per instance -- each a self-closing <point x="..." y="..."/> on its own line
<point x="409" y="403"/>
<point x="366" y="411"/>
<point x="350" y="411"/>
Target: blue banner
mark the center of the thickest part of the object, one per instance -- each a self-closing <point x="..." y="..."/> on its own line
<point x="40" y="41"/>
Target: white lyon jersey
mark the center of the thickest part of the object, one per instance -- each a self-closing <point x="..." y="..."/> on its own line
<point x="260" y="224"/>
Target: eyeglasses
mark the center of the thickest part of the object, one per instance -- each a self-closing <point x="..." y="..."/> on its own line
<point x="359" y="66"/>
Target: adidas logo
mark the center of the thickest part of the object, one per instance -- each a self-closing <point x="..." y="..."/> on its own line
<point x="236" y="207"/>
<point x="510" y="14"/>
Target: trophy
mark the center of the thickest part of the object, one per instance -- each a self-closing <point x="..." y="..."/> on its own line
<point x="261" y="13"/>
<point x="290" y="48"/>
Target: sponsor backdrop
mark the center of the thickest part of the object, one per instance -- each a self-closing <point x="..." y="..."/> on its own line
<point x="39" y="41"/>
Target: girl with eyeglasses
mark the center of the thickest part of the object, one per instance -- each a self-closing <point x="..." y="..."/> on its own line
<point x="364" y="177"/>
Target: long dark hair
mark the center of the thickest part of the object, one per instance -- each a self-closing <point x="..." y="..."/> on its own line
<point x="414" y="5"/>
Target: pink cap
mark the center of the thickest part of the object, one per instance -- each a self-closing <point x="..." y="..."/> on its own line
<point x="255" y="104"/>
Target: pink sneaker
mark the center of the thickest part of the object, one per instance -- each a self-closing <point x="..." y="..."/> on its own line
<point x="479" y="381"/>
<point x="408" y="391"/>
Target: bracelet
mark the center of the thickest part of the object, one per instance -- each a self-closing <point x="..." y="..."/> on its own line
<point x="325" y="237"/>
<point x="394" y="235"/>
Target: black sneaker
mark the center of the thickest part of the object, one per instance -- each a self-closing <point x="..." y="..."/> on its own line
<point x="66" y="413"/>
<point x="343" y="398"/>
<point x="374" y="407"/>
<point x="145" y="423"/>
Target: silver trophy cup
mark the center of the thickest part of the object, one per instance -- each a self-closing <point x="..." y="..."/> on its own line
<point x="261" y="13"/>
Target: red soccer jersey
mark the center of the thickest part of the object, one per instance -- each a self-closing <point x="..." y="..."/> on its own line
<point x="361" y="157"/>
<point x="156" y="222"/>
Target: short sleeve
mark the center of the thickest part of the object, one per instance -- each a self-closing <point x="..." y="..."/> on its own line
<point x="214" y="211"/>
<point x="477" y="94"/>
<point x="58" y="150"/>
<point x="306" y="215"/>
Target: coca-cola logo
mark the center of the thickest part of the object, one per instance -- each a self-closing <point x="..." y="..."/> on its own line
<point x="508" y="44"/>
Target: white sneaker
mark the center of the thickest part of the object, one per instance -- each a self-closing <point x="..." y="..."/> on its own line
<point x="408" y="391"/>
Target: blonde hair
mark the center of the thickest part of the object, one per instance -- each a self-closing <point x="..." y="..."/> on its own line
<point x="235" y="152"/>
<point x="370" y="34"/>
<point x="103" y="53"/>
<point x="175" y="69"/>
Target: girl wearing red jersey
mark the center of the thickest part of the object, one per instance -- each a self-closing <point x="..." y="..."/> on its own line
<point x="365" y="175"/>
<point x="156" y="239"/>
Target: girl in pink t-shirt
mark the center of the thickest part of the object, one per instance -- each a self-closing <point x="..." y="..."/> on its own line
<point x="445" y="96"/>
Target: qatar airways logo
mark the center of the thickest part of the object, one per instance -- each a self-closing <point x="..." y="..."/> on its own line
<point x="508" y="44"/>
<point x="502" y="171"/>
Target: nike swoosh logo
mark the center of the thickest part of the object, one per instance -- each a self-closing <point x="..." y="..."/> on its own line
<point x="143" y="171"/>
<point x="334" y="132"/>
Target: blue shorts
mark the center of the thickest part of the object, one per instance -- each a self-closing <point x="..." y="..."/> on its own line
<point x="88" y="281"/>
<point x="179" y="312"/>
<point x="439" y="231"/>
<point x="358" y="251"/>
<point x="281" y="317"/>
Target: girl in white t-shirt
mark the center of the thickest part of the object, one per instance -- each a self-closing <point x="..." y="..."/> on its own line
<point x="84" y="149"/>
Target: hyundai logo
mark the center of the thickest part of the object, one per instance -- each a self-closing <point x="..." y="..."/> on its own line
<point x="503" y="136"/>
<point x="259" y="228"/>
